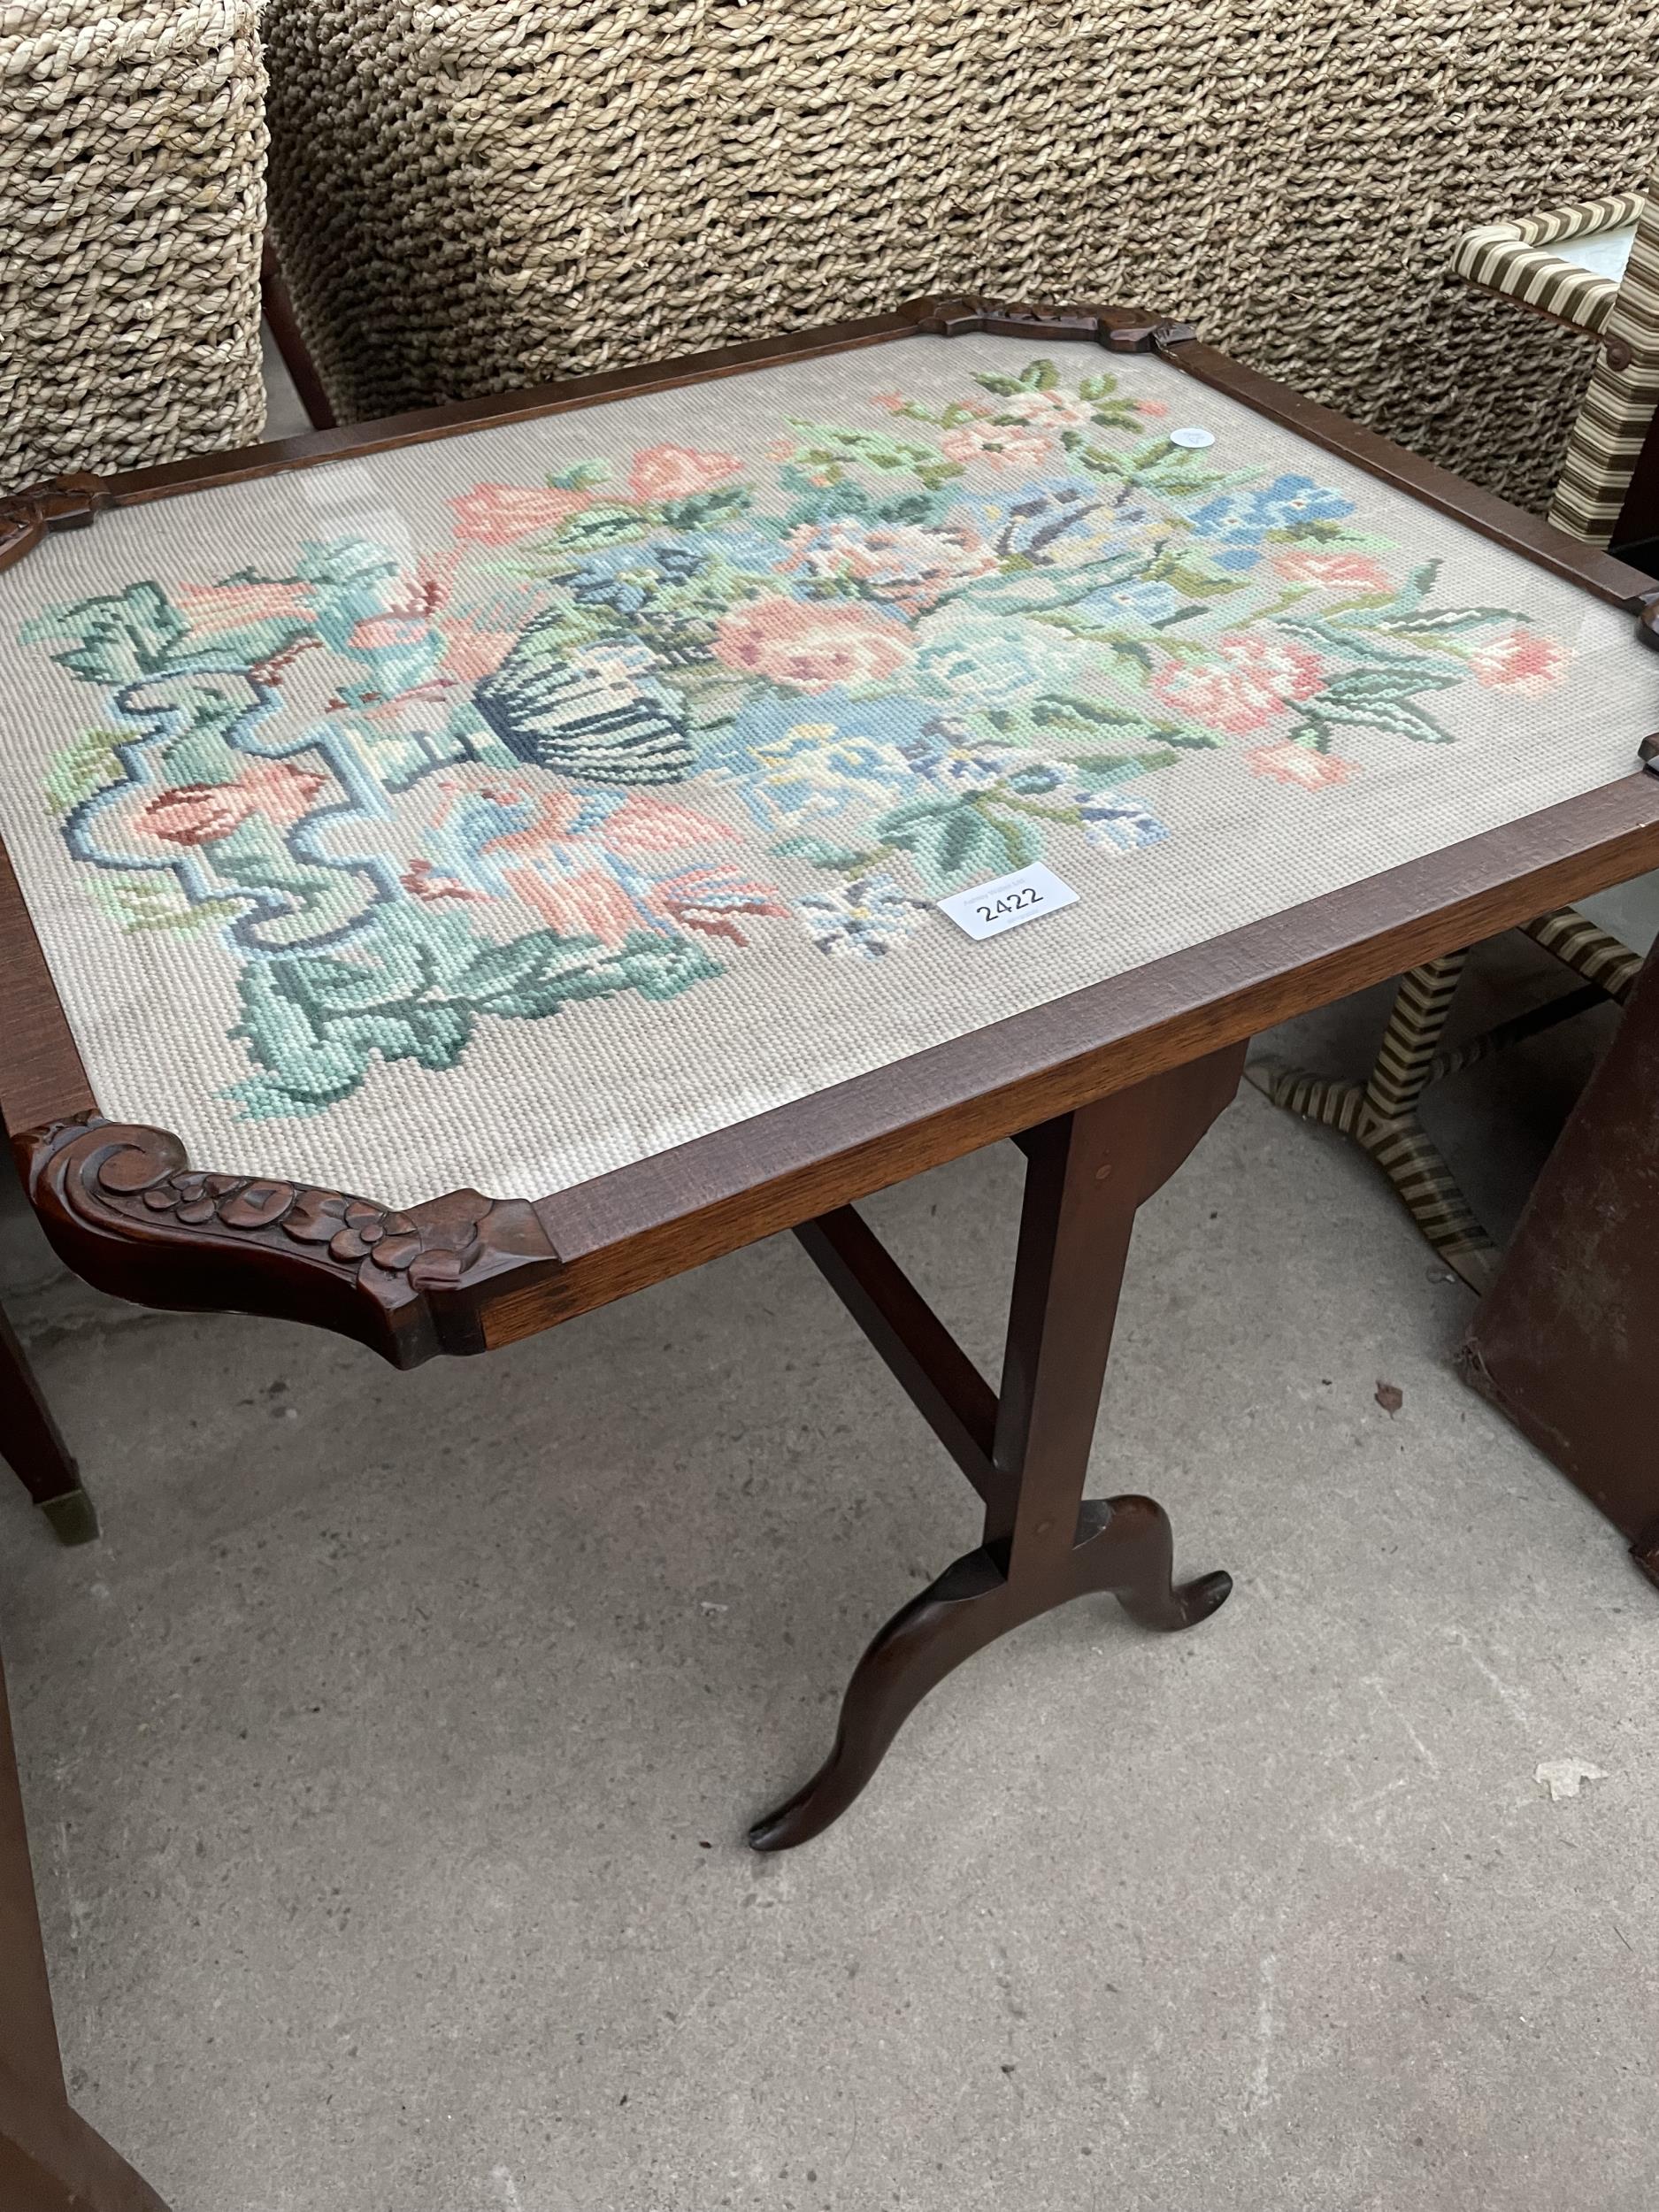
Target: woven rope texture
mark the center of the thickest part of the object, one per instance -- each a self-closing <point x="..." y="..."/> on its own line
<point x="131" y="203"/>
<point x="474" y="196"/>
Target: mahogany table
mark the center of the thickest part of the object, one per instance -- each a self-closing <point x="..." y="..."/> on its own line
<point x="571" y="798"/>
<point x="555" y="797"/>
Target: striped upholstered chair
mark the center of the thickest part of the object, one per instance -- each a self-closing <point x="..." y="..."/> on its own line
<point x="1593" y="266"/>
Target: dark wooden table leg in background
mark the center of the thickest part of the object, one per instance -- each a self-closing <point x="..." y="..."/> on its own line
<point x="1564" y="1342"/>
<point x="1025" y="1449"/>
<point x="51" y="2161"/>
<point x="32" y="1447"/>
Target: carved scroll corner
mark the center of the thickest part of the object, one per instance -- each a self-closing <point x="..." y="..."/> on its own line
<point x="127" y="1179"/>
<point x="1157" y="337"/>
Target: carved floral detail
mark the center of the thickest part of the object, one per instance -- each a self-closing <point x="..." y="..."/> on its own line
<point x="121" y="1177"/>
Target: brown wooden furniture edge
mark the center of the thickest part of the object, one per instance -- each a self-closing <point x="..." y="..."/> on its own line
<point x="546" y="1261"/>
<point x="51" y="2161"/>
<point x="618" y="1231"/>
<point x="463" y="1272"/>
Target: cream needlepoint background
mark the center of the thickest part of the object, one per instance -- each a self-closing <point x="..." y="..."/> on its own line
<point x="505" y="808"/>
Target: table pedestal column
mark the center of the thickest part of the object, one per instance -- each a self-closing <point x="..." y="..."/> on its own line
<point x="1027" y="1447"/>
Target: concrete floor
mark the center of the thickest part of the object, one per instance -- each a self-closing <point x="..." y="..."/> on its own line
<point x="388" y="1761"/>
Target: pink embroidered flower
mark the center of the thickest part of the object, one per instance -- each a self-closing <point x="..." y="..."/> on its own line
<point x="472" y="649"/>
<point x="496" y="514"/>
<point x="421" y="881"/>
<point x="386" y="632"/>
<point x="642" y="825"/>
<point x="1262" y="676"/>
<point x="1520" y="660"/>
<point x="1300" y="764"/>
<point x="998" y="445"/>
<point x="905" y="563"/>
<point x="674" y="472"/>
<point x="1054" y="410"/>
<point x="590" y="903"/>
<point x="202" y="813"/>
<point x="214" y="607"/>
<point x="1152" y="407"/>
<point x="811" y="646"/>
<point x="1334" y="571"/>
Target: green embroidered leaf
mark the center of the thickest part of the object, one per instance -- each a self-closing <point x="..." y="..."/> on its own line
<point x="1098" y="459"/>
<point x="607" y="524"/>
<point x="1355" y="643"/>
<point x="1428" y="622"/>
<point x="1118" y="414"/>
<point x="1094" y="387"/>
<point x="659" y="967"/>
<point x="413" y="989"/>
<point x="1195" y="577"/>
<point x="580" y="478"/>
<point x="1396" y="714"/>
<point x="704" y="510"/>
<point x="957" y="845"/>
<point x="517" y="978"/>
<point x="119" y="638"/>
<point x="1039" y="376"/>
<point x="822" y="855"/>
<point x="950" y="839"/>
<point x="1092" y="717"/>
<point x="140" y="902"/>
<point x="915" y="508"/>
<point x="86" y="764"/>
<point x="831" y="449"/>
<point x="1096" y="771"/>
<point x="993" y="381"/>
<point x="1358" y="687"/>
<point x="1022" y="843"/>
<point x="1419" y="585"/>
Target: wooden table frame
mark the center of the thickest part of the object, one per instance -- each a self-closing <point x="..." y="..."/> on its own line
<point x="1106" y="1089"/>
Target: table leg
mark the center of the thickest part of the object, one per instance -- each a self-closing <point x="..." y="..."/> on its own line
<point x="1044" y="1542"/>
<point x="51" y="2161"/>
<point x="32" y="1444"/>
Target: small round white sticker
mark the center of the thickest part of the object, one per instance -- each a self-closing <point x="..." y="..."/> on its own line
<point x="1193" y="438"/>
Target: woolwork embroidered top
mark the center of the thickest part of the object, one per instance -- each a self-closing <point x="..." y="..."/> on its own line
<point x="516" y="805"/>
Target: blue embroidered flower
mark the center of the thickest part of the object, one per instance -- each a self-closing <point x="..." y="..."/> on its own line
<point x="1113" y="824"/>
<point x="679" y="562"/>
<point x="864" y="919"/>
<point x="595" y="587"/>
<point x="1238" y="521"/>
<point x="1289" y="500"/>
<point x="796" y="761"/>
<point x="1035" y="779"/>
<point x="991" y="658"/>
<point x="1144" y="602"/>
<point x="815" y="772"/>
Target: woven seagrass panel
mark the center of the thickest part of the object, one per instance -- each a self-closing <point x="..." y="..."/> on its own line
<point x="476" y="197"/>
<point x="510" y="807"/>
<point x="132" y="212"/>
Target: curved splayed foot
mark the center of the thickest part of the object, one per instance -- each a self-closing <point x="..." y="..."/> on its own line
<point x="970" y="1606"/>
<point x="1130" y="1554"/>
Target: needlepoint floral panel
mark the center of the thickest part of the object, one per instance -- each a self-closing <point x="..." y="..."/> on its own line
<point x="506" y="808"/>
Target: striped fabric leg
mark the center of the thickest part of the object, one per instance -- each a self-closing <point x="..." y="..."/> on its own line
<point x="1593" y="954"/>
<point x="1406" y="1052"/>
<point x="1381" y="1114"/>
